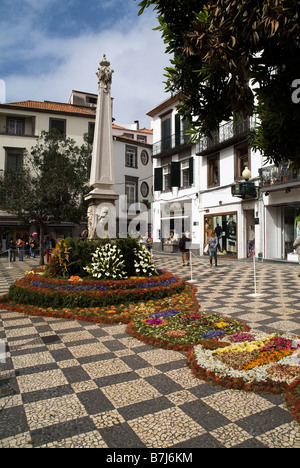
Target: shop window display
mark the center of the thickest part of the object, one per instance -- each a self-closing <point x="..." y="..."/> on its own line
<point x="225" y="226"/>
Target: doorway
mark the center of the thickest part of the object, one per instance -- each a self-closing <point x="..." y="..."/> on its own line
<point x="21" y="233"/>
<point x="250" y="233"/>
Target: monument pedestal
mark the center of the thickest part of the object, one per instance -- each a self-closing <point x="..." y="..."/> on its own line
<point x="101" y="215"/>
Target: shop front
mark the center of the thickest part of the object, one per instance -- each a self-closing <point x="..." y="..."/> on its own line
<point x="280" y="194"/>
<point x="176" y="218"/>
<point x="225" y="227"/>
<point x="11" y="230"/>
<point x="282" y="225"/>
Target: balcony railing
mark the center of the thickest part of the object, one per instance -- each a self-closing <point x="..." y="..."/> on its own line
<point x="284" y="173"/>
<point x="170" y="142"/>
<point x="226" y="132"/>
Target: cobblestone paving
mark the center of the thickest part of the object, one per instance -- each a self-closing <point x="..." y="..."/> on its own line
<point x="77" y="384"/>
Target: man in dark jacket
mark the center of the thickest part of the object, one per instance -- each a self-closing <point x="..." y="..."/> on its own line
<point x="185" y="252"/>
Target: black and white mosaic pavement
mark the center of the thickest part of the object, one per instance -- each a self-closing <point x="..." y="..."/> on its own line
<point x="78" y="384"/>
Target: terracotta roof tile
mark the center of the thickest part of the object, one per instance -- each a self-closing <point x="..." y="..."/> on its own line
<point x="53" y="106"/>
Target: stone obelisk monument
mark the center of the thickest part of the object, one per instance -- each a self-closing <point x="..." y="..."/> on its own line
<point x="102" y="198"/>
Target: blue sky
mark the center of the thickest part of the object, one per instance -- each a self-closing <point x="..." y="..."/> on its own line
<point x="49" y="47"/>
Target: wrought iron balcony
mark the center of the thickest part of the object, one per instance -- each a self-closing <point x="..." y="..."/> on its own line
<point x="228" y="131"/>
<point x="172" y="141"/>
<point x="283" y="174"/>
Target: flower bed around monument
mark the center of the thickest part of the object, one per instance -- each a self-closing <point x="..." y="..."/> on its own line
<point x="58" y="293"/>
<point x="36" y="294"/>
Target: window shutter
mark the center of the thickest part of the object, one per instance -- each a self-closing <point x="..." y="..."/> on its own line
<point x="166" y="134"/>
<point x="177" y="129"/>
<point x="175" y="174"/>
<point x="158" y="179"/>
<point x="191" y="171"/>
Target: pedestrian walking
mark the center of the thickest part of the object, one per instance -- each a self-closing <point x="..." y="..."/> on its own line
<point x="12" y="250"/>
<point x="213" y="248"/>
<point x="149" y="243"/>
<point x="296" y="246"/>
<point x="32" y="243"/>
<point x="27" y="249"/>
<point x="21" y="246"/>
<point x="185" y="252"/>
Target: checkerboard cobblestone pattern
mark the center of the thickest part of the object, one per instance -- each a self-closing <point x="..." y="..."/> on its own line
<point x="229" y="288"/>
<point x="77" y="384"/>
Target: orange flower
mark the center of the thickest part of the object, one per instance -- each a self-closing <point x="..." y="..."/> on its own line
<point x="177" y="333"/>
<point x="266" y="357"/>
<point x="75" y="278"/>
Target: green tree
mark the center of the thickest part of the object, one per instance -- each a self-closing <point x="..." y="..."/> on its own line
<point x="51" y="184"/>
<point x="231" y="59"/>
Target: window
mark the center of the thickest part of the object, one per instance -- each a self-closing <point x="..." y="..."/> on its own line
<point x="166" y="132"/>
<point x="90" y="100"/>
<point x="129" y="135"/>
<point x="131" y="185"/>
<point x="91" y="130"/>
<point x="131" y="156"/>
<point x="15" y="126"/>
<point x="144" y="157"/>
<point x="14" y="159"/>
<point x="241" y="159"/>
<point x="144" y="189"/>
<point x="60" y="125"/>
<point x="185" y="173"/>
<point x="166" y="177"/>
<point x="142" y="139"/>
<point x="213" y="170"/>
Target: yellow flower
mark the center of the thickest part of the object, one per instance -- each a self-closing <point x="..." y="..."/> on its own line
<point x="242" y="347"/>
<point x="221" y="324"/>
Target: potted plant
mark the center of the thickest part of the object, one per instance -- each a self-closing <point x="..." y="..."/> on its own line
<point x="275" y="176"/>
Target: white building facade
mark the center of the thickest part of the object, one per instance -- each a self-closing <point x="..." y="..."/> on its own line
<point x="247" y="215"/>
<point x="175" y="206"/>
<point x="21" y="124"/>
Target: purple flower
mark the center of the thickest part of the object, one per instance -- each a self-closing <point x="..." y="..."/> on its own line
<point x="155" y="321"/>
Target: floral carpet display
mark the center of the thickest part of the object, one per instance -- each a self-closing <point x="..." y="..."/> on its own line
<point x="255" y="361"/>
<point x="118" y="283"/>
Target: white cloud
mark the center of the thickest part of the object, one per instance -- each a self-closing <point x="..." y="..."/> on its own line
<point x="58" y="65"/>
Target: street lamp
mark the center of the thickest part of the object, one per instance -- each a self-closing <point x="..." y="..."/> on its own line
<point x="244" y="189"/>
<point x="246" y="173"/>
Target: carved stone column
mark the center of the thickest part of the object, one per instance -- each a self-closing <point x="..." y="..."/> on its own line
<point x="102" y="198"/>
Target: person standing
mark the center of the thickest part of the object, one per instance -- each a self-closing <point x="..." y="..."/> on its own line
<point x="32" y="243"/>
<point x="185" y="252"/>
<point x="49" y="246"/>
<point x="149" y="243"/>
<point x="21" y="245"/>
<point x="213" y="247"/>
<point x="12" y="250"/>
<point x="296" y="246"/>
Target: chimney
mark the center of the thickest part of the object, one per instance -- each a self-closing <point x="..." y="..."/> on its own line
<point x="137" y="124"/>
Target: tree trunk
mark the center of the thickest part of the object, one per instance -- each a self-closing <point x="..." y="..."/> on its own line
<point x="42" y="245"/>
